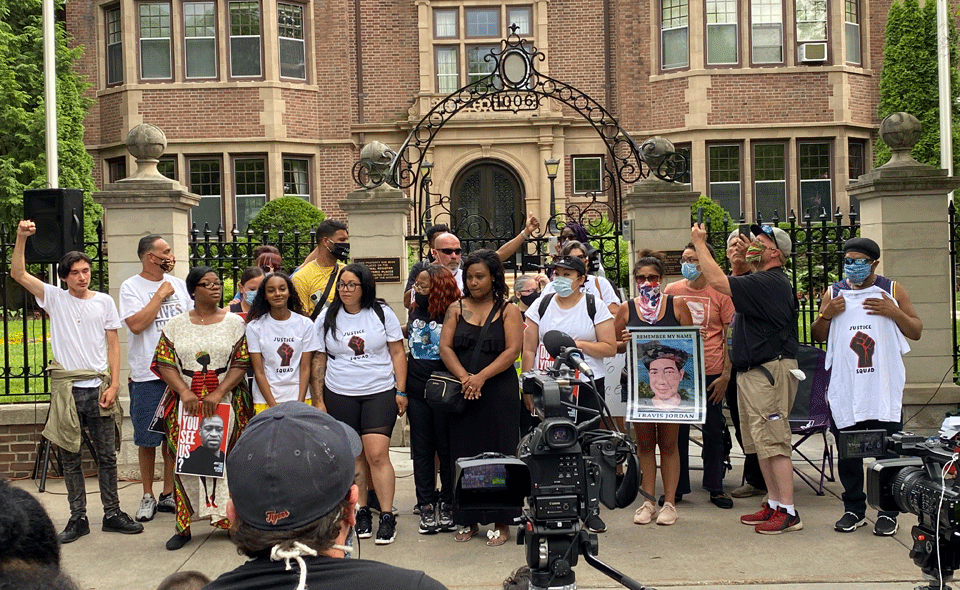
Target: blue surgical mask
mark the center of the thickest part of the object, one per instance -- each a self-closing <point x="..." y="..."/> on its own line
<point x="856" y="273"/>
<point x="563" y="286"/>
<point x="689" y="271"/>
<point x="250" y="296"/>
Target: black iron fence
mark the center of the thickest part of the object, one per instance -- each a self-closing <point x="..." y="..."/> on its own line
<point x="24" y="328"/>
<point x="954" y="286"/>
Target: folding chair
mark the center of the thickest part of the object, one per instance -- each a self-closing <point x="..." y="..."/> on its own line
<point x="811" y="415"/>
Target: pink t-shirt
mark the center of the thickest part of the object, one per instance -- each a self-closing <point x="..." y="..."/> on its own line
<point x="713" y="312"/>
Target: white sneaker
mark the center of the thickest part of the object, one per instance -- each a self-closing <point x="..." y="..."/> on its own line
<point x="148" y="507"/>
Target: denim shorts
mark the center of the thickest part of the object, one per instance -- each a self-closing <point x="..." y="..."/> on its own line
<point x="145" y="396"/>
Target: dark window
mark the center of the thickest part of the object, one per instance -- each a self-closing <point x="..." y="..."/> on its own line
<point x="725" y="178"/>
<point x="200" y="39"/>
<point x="770" y="180"/>
<point x="116" y="169"/>
<point x="155" y="41"/>
<point x="168" y="167"/>
<point x="245" y="39"/>
<point x="587" y="175"/>
<point x="296" y="178"/>
<point x="293" y="62"/>
<point x="856" y="162"/>
<point x="816" y="187"/>
<point x="206" y="181"/>
<point x="251" y="182"/>
<point x="114" y="47"/>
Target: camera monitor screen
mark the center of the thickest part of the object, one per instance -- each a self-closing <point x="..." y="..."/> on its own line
<point x="484" y="477"/>
<point x="860" y="444"/>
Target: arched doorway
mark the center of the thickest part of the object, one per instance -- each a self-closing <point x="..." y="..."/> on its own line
<point x="487" y="198"/>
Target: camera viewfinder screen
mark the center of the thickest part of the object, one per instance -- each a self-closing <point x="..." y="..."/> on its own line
<point x="484" y="477"/>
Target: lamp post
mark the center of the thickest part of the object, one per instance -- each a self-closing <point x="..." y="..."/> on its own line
<point x="552" y="166"/>
<point x="426" y="169"/>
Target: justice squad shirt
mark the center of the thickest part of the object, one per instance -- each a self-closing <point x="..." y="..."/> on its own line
<point x="135" y="293"/>
<point x="78" y="329"/>
<point x="281" y="344"/>
<point x="358" y="359"/>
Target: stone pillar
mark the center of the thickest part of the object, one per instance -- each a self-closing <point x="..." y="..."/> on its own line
<point x="377" y="221"/>
<point x="903" y="207"/>
<point x="659" y="213"/>
<point x="142" y="204"/>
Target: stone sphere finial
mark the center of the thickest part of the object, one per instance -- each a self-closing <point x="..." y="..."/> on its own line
<point x="146" y="143"/>
<point x="900" y="131"/>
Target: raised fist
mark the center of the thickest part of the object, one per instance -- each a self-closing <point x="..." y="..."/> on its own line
<point x="286" y="354"/>
<point x="356" y="344"/>
<point x="26" y="228"/>
<point x="165" y="290"/>
<point x="863" y="345"/>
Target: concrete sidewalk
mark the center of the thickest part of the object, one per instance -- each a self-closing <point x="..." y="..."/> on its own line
<point x="706" y="549"/>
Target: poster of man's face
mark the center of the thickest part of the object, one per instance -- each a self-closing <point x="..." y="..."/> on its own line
<point x="666" y="382"/>
<point x="201" y="444"/>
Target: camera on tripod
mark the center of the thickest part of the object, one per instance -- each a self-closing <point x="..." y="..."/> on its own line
<point x="921" y="482"/>
<point x="562" y="472"/>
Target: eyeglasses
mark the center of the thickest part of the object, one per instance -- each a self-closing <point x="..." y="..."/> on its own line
<point x="647" y="278"/>
<point x="527" y="291"/>
<point x="768" y="230"/>
<point x="857" y="261"/>
<point x="451" y="251"/>
<point x="211" y="286"/>
<point x="347" y="286"/>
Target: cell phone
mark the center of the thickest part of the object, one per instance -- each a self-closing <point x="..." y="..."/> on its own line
<point x="700" y="215"/>
<point x="745" y="230"/>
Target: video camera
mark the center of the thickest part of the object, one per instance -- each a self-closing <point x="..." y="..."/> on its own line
<point x="562" y="472"/>
<point x="922" y="482"/>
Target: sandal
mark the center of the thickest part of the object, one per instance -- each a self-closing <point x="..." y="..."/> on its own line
<point x="465" y="533"/>
<point x="496" y="537"/>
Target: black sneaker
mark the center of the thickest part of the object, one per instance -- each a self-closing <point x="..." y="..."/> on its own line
<point x="387" y="531"/>
<point x="166" y="503"/>
<point x="594" y="524"/>
<point x="428" y="520"/>
<point x="121" y="523"/>
<point x="445" y="522"/>
<point x="364" y="526"/>
<point x="849" y="522"/>
<point x="886" y="526"/>
<point x="77" y="527"/>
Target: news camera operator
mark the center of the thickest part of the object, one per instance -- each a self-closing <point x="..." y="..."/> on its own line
<point x="587" y="320"/>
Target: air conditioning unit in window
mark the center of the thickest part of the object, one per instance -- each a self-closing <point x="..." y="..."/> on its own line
<point x="813" y="52"/>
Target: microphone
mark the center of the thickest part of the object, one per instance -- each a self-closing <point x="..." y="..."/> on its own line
<point x="560" y="343"/>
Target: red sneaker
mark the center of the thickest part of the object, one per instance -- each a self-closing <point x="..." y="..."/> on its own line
<point x="762" y="515"/>
<point x="780" y="522"/>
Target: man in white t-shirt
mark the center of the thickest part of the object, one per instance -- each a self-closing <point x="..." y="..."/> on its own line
<point x="83" y="335"/>
<point x="147" y="301"/>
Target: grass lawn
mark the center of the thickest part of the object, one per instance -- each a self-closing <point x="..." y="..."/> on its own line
<point x="14" y="353"/>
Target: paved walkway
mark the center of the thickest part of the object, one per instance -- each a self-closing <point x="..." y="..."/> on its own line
<point x="707" y="548"/>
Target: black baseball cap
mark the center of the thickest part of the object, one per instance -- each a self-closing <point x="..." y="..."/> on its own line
<point x="864" y="246"/>
<point x="292" y="465"/>
<point x="571" y="263"/>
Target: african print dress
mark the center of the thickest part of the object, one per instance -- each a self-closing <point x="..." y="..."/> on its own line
<point x="203" y="354"/>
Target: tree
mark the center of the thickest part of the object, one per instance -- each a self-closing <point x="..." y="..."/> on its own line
<point x="292" y="215"/>
<point x="908" y="80"/>
<point x="22" y="113"/>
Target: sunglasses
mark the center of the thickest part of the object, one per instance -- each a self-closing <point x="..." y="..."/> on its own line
<point x="451" y="251"/>
<point x="857" y="261"/>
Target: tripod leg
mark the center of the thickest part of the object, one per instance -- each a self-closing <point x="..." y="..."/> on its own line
<point x="46" y="464"/>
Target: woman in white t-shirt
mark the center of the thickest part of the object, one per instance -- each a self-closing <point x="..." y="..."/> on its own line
<point x="281" y="342"/>
<point x="361" y="369"/>
<point x="568" y="311"/>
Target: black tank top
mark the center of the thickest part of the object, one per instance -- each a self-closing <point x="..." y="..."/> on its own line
<point x="668" y="319"/>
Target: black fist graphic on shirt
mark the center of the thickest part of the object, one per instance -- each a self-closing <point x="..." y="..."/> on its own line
<point x="285" y="351"/>
<point x="863" y="345"/>
<point x="356" y="344"/>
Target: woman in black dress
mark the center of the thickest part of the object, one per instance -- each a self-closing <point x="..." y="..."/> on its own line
<point x="490" y="422"/>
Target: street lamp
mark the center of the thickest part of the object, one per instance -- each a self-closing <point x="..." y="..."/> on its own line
<point x="552" y="166"/>
<point x="426" y="169"/>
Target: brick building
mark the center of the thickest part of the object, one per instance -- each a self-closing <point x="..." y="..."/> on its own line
<point x="774" y="101"/>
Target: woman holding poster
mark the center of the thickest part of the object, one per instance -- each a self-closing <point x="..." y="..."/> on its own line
<point x="202" y="357"/>
<point x="651" y="308"/>
<point x="584" y="318"/>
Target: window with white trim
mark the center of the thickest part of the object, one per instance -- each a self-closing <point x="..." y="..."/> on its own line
<point x="724" y="177"/>
<point x="154" y="20"/>
<point x="816" y="186"/>
<point x="851" y="25"/>
<point x="587" y="174"/>
<point x="293" y="55"/>
<point x="811" y="20"/>
<point x="766" y="31"/>
<point x="114" y="46"/>
<point x="250" y="179"/>
<point x="200" y="39"/>
<point x="464" y="36"/>
<point x="770" y="180"/>
<point x="245" y="46"/>
<point x="206" y="180"/>
<point x="674" y="34"/>
<point x="296" y="178"/>
<point x="722" y="32"/>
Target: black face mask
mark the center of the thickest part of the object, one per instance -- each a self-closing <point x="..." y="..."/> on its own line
<point x="422" y="301"/>
<point x="529" y="298"/>
<point x="340" y="251"/>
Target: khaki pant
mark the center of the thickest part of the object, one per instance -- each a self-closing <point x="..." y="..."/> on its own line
<point x="765" y="408"/>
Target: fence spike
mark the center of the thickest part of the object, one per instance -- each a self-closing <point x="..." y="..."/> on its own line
<point x="792" y="218"/>
<point x="234" y="232"/>
<point x="221" y="233"/>
<point x="776" y="219"/>
<point x="206" y="230"/>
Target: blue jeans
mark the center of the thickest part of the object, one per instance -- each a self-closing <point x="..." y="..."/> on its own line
<point x="430" y="437"/>
<point x="102" y="433"/>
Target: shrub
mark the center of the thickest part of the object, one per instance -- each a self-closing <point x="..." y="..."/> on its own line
<point x="289" y="214"/>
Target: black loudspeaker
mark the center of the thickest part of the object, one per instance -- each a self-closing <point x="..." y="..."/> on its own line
<point x="58" y="213"/>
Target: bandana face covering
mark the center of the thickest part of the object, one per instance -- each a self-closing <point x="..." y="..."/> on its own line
<point x="648" y="301"/>
<point x="754" y="252"/>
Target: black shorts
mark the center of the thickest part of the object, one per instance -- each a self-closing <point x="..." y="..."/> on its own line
<point x="367" y="414"/>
